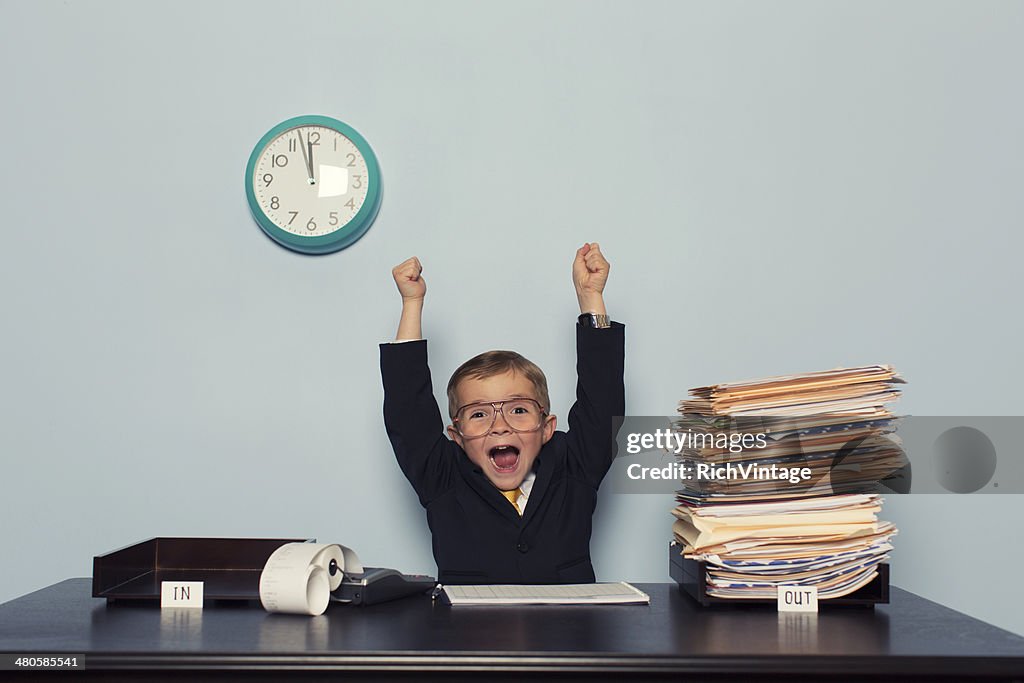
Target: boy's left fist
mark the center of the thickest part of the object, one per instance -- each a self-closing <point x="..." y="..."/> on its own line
<point x="589" y="271"/>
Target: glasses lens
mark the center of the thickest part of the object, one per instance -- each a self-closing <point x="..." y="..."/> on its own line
<point x="522" y="415"/>
<point x="475" y="420"/>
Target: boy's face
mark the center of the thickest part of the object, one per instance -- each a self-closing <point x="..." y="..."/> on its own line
<point x="505" y="456"/>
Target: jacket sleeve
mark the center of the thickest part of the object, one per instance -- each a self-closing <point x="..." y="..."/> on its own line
<point x="600" y="396"/>
<point x="413" y="421"/>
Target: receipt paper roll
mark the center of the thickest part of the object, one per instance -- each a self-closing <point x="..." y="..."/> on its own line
<point x="297" y="578"/>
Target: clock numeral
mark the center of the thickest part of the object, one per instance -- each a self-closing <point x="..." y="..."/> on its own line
<point x="267" y="179"/>
<point x="275" y="203"/>
<point x="311" y="225"/>
<point x="314" y="137"/>
<point x="351" y="159"/>
<point x="351" y="203"/>
<point x="278" y="160"/>
<point x="358" y="183"/>
<point x="295" y="215"/>
<point x="291" y="144"/>
<point x="333" y="218"/>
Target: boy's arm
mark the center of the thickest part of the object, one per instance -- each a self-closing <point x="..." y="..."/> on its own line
<point x="411" y="416"/>
<point x="600" y="390"/>
<point x="409" y="277"/>
<point x="589" y="276"/>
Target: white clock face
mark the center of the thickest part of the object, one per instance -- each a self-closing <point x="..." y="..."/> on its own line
<point x="311" y="181"/>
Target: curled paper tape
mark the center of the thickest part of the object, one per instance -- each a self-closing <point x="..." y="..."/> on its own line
<point x="298" y="577"/>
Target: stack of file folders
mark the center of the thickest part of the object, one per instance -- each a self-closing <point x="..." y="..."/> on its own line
<point x="739" y="537"/>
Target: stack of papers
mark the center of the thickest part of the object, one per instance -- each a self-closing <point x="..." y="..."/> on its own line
<point x="755" y="533"/>
<point x="863" y="391"/>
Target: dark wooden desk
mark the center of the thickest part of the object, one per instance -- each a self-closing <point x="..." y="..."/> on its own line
<point x="671" y="638"/>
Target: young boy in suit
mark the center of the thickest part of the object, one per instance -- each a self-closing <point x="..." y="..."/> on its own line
<point x="509" y="499"/>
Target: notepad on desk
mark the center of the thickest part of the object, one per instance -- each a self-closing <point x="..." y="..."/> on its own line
<point x="619" y="593"/>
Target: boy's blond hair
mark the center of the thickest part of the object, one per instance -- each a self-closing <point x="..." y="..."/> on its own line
<point x="492" y="363"/>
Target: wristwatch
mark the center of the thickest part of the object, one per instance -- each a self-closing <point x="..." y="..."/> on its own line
<point x="598" y="320"/>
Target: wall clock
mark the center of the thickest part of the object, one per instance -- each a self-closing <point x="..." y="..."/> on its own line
<point x="313" y="184"/>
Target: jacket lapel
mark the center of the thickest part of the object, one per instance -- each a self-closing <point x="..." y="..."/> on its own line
<point x="483" y="486"/>
<point x="544" y="466"/>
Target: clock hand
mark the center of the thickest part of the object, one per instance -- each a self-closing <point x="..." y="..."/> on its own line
<point x="309" y="166"/>
<point x="312" y="176"/>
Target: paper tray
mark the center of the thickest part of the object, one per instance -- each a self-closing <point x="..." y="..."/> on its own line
<point x="228" y="567"/>
<point x="691" y="575"/>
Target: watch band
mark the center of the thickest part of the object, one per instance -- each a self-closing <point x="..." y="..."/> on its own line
<point x="598" y="320"/>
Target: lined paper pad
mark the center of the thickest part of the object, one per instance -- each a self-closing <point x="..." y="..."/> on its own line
<point x="619" y="593"/>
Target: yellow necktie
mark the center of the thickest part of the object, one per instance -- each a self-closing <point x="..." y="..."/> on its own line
<point x="512" y="496"/>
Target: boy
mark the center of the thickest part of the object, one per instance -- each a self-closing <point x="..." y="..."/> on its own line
<point x="508" y="498"/>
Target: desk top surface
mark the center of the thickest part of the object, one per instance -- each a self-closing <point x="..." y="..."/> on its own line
<point x="673" y="634"/>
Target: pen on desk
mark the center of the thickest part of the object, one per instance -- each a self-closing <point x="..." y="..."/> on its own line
<point x="438" y="589"/>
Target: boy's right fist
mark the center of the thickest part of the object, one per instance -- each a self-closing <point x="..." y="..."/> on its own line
<point x="411" y="284"/>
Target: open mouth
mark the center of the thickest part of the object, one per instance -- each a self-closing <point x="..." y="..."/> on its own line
<point x="504" y="458"/>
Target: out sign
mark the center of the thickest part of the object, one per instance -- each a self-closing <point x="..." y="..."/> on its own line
<point x="798" y="598"/>
<point x="181" y="594"/>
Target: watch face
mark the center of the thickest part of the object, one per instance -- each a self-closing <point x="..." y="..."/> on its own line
<point x="313" y="184"/>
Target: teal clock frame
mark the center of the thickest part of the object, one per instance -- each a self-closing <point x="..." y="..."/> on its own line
<point x="339" y="239"/>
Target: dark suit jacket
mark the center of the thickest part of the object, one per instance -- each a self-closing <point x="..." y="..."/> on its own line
<point x="477" y="536"/>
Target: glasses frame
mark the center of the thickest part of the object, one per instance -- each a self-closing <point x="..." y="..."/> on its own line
<point x="498" y="408"/>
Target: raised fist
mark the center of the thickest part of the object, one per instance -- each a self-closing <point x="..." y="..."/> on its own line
<point x="409" y="279"/>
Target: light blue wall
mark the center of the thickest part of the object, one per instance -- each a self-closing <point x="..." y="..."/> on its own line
<point x="780" y="187"/>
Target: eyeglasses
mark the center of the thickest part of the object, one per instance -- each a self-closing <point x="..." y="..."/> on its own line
<point x="520" y="414"/>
